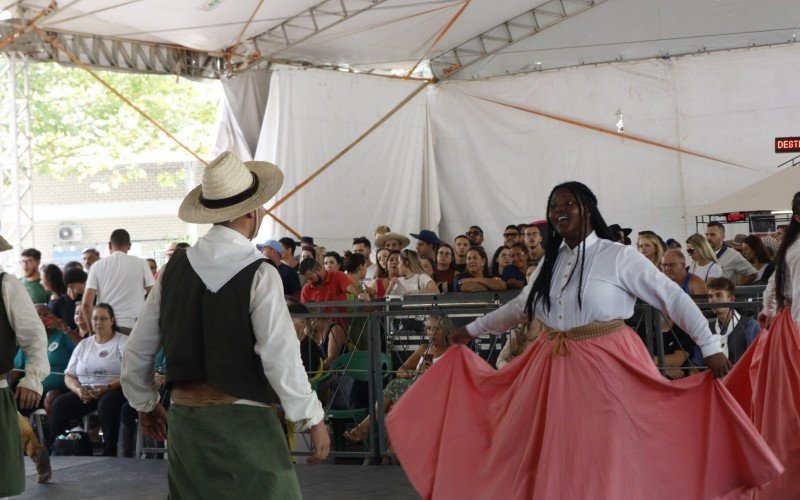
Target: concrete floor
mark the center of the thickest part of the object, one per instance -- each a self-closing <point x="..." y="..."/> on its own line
<point x="85" y="478"/>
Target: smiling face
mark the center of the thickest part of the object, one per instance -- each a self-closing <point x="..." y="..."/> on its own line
<point x="564" y="213"/>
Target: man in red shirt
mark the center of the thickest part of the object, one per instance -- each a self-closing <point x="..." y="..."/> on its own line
<point x="327" y="286"/>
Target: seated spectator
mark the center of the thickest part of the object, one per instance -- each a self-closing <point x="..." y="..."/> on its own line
<point x="475" y="235"/>
<point x="311" y="352"/>
<point x="429" y="266"/>
<point x="756" y="253"/>
<point x="673" y="263"/>
<point x="427" y="243"/>
<point x="445" y="269"/>
<point x="355" y="267"/>
<point x="780" y="231"/>
<point x="332" y="261"/>
<point x="520" y="338"/>
<point x="661" y="241"/>
<point x="380" y="284"/>
<point x="81" y="324"/>
<point x="500" y="259"/>
<point x="392" y="241"/>
<point x="328" y="286"/>
<point x="64" y="306"/>
<point x="650" y="246"/>
<point x="736" y="332"/>
<point x="475" y="278"/>
<point x="514" y="275"/>
<point x="704" y="260"/>
<point x="460" y="247"/>
<point x="734" y="266"/>
<point x="92" y="376"/>
<point x="437" y="330"/>
<point x="32" y="277"/>
<point x="412" y="279"/>
<point x="533" y="240"/>
<point x="59" y="349"/>
<point x="510" y="235"/>
<point x="672" y="243"/>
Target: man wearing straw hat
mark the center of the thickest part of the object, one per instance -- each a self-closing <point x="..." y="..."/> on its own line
<point x="19" y="324"/>
<point x="231" y="350"/>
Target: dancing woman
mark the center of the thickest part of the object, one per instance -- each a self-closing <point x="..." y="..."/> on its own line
<point x="583" y="413"/>
<point x="765" y="380"/>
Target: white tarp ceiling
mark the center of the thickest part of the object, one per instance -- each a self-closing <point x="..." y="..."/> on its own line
<point x="390" y="35"/>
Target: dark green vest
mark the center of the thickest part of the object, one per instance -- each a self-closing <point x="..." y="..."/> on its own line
<point x="8" y="339"/>
<point x="208" y="337"/>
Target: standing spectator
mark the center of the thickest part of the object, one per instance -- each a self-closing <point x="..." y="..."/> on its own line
<point x="533" y="240"/>
<point x="381" y="268"/>
<point x="153" y="265"/>
<point x="704" y="260"/>
<point x="460" y="248"/>
<point x="90" y="256"/>
<point x="780" y="231"/>
<point x="756" y="253"/>
<point x="427" y="243"/>
<point x="429" y="266"/>
<point x="500" y="259"/>
<point x="445" y="270"/>
<point x="514" y="275"/>
<point x="53" y="282"/>
<point x="734" y="266"/>
<point x="650" y="246"/>
<point x="412" y="279"/>
<point x="31" y="277"/>
<point x="736" y="332"/>
<point x="273" y="250"/>
<point x="92" y="376"/>
<point x="289" y="246"/>
<point x="332" y="261"/>
<point x="364" y="247"/>
<point x="392" y="241"/>
<point x="673" y="244"/>
<point x="476" y="278"/>
<point x="121" y="280"/>
<point x="475" y="235"/>
<point x="64" y="307"/>
<point x="510" y="235"/>
<point x="19" y="325"/>
<point x="622" y="233"/>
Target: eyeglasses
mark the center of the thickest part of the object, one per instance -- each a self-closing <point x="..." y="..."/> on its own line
<point x="473" y="233"/>
<point x="100" y="318"/>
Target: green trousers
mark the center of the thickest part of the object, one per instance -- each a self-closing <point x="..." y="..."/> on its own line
<point x="12" y="469"/>
<point x="228" y="451"/>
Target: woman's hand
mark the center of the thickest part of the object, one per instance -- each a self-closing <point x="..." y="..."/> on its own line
<point x="84" y="394"/>
<point x="98" y="391"/>
<point x="404" y="373"/>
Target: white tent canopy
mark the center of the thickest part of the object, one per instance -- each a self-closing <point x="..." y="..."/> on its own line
<point x="773" y="194"/>
<point x="458" y="153"/>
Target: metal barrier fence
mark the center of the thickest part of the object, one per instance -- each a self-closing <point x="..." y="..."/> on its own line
<point x="393" y="331"/>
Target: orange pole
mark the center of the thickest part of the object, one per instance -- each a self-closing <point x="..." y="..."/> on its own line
<point x="13" y="37"/>
<point x="442" y="33"/>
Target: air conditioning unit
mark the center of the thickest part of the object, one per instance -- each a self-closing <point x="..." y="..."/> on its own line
<point x="69" y="232"/>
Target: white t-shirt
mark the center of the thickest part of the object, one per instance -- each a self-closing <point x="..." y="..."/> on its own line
<point x="706" y="272"/>
<point x="414" y="284"/>
<point x="371" y="270"/>
<point x="120" y="280"/>
<point x="97" y="364"/>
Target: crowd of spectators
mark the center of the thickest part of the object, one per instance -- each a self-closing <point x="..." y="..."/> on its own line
<point x="89" y="307"/>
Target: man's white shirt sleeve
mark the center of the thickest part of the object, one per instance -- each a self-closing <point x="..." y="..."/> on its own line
<point x="138" y="377"/>
<point x="30" y="332"/>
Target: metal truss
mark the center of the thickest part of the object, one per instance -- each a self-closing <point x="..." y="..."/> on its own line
<point x="313" y="21"/>
<point x="506" y="34"/>
<point x="16" y="170"/>
<point x="114" y="54"/>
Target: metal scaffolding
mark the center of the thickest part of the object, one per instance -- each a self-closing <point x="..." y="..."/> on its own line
<point x="16" y="169"/>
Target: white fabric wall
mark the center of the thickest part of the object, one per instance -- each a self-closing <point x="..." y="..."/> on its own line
<point x="451" y="156"/>
<point x="311" y="116"/>
<point x="241" y="113"/>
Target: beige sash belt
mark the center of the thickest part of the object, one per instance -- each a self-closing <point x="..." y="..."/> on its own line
<point x="584" y="332"/>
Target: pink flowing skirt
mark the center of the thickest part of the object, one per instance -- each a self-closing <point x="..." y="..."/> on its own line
<point x="599" y="422"/>
<point x="766" y="383"/>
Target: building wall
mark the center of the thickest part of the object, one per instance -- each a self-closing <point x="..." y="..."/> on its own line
<point x="96" y="205"/>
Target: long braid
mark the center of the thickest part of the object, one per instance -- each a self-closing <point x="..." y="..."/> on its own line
<point x="540" y="290"/>
<point x="790" y="235"/>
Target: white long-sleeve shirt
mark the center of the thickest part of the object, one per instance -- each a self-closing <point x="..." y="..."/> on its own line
<point x="791" y="285"/>
<point x="614" y="276"/>
<point x="216" y="258"/>
<point x="30" y="332"/>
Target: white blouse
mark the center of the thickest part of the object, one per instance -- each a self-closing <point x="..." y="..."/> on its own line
<point x="614" y="276"/>
<point x="706" y="272"/>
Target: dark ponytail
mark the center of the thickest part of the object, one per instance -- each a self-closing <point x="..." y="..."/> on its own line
<point x="780" y="258"/>
<point x="587" y="202"/>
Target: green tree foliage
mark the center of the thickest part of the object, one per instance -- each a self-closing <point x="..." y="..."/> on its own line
<point x="80" y="128"/>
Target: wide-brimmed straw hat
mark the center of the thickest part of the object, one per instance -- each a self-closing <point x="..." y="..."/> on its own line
<point x="381" y="240"/>
<point x="4" y="245"/>
<point x="230" y="189"/>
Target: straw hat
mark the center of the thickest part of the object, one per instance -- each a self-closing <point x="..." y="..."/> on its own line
<point x="230" y="189"/>
<point x="381" y="240"/>
<point x="4" y="245"/>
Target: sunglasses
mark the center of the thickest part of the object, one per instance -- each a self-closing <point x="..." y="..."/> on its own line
<point x="510" y="235"/>
<point x="473" y="233"/>
<point x="690" y="250"/>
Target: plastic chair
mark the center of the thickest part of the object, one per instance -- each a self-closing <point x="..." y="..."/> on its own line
<point x="355" y="364"/>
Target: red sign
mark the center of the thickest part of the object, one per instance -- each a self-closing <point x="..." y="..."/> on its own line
<point x="787" y="144"/>
<point x="735" y="217"/>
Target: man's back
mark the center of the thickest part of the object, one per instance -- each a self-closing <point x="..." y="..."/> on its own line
<point x="120" y="280"/>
